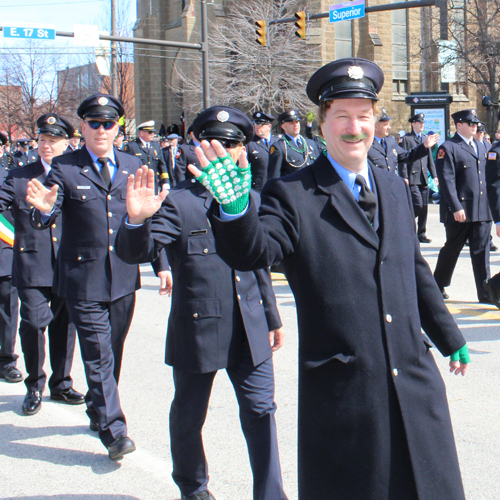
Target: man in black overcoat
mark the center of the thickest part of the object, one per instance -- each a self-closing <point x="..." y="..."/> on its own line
<point x="219" y="318"/>
<point x="416" y="174"/>
<point x="464" y="208"/>
<point x="35" y="254"/>
<point x="89" y="188"/>
<point x="386" y="153"/>
<point x="373" y="417"/>
<point x="258" y="148"/>
<point x="292" y="151"/>
<point x="149" y="152"/>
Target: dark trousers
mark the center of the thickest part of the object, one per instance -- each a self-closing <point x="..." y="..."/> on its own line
<point x="36" y="315"/>
<point x="102" y="328"/>
<point x="254" y="388"/>
<point x="420" y="200"/>
<point x="478" y="234"/>
<point x="8" y="322"/>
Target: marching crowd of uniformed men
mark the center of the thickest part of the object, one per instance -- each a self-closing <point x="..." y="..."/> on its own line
<point x="332" y="212"/>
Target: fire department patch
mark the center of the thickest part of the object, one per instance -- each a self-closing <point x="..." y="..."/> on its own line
<point x="492" y="156"/>
<point x="440" y="154"/>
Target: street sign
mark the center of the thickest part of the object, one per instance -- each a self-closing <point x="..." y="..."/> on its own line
<point x="37" y="32"/>
<point x="347" y="11"/>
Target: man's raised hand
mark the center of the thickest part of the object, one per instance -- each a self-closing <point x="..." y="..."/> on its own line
<point x="142" y="202"/>
<point x="40" y="197"/>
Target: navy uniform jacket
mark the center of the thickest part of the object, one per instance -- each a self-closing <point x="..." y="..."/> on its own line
<point x="203" y="335"/>
<point x="493" y="180"/>
<point x="6" y="251"/>
<point x="4" y="166"/>
<point x="462" y="180"/>
<point x="395" y="154"/>
<point x="152" y="157"/>
<point x="187" y="157"/>
<point x="418" y="171"/>
<point x="87" y="266"/>
<point x="171" y="163"/>
<point x="19" y="159"/>
<point x="362" y="298"/>
<point x="35" y="252"/>
<point x="284" y="160"/>
<point x="258" y="157"/>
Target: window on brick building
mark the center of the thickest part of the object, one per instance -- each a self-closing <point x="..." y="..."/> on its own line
<point x="400" y="50"/>
<point x="343" y="39"/>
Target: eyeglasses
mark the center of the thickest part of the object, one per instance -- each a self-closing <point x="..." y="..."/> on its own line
<point x="228" y="144"/>
<point x="94" y="124"/>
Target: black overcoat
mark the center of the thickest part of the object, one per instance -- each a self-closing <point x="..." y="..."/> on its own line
<point x="202" y="331"/>
<point x="462" y="181"/>
<point x="395" y="154"/>
<point x="418" y="171"/>
<point x="87" y="266"/>
<point x="362" y="298"/>
<point x="35" y="252"/>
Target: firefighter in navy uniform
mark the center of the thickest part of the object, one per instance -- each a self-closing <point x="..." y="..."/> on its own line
<point x="4" y="157"/>
<point x="149" y="153"/>
<point x="416" y="174"/>
<point x="385" y="151"/>
<point x="292" y="151"/>
<point x="258" y="148"/>
<point x="23" y="155"/>
<point x="464" y="209"/>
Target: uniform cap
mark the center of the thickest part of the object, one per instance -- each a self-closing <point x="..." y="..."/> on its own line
<point x="466" y="115"/>
<point x="481" y="127"/>
<point x="384" y="117"/>
<point x="292" y="115"/>
<point x="348" y="78"/>
<point x="149" y="126"/>
<point x="173" y="136"/>
<point x="223" y="122"/>
<point x="23" y="142"/>
<point x="418" y="118"/>
<point x="259" y="118"/>
<point x="55" y="125"/>
<point x="103" y="106"/>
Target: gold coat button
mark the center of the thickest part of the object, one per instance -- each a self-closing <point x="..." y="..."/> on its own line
<point x="195" y="315"/>
<point x="39" y="225"/>
<point x="239" y="297"/>
<point x="205" y="250"/>
<point x="84" y="197"/>
<point x="109" y="197"/>
<point x="238" y="278"/>
<point x="110" y="214"/>
<point x="395" y="372"/>
<point x="110" y="231"/>
<point x="110" y="248"/>
<point x="53" y="226"/>
<point x="79" y="258"/>
<point x="22" y="249"/>
<point x="260" y="302"/>
<point x="388" y="318"/>
<point x="54" y="238"/>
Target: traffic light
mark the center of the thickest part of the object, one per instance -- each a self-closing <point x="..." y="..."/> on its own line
<point x="301" y="24"/>
<point x="261" y="32"/>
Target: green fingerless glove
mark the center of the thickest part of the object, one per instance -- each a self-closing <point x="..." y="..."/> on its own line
<point x="461" y="355"/>
<point x="228" y="183"/>
<point x="310" y="116"/>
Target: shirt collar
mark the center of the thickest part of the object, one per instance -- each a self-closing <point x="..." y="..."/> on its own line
<point x="348" y="176"/>
<point x="465" y="140"/>
<point x="46" y="166"/>
<point x="378" y="139"/>
<point x="111" y="157"/>
<point x="146" y="144"/>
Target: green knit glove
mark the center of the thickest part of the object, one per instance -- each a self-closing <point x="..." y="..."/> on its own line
<point x="461" y="355"/>
<point x="228" y="183"/>
<point x="310" y="116"/>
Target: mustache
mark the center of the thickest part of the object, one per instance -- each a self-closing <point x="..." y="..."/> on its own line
<point x="354" y="138"/>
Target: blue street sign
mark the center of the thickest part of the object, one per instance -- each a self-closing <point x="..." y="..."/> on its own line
<point x="347" y="11"/>
<point x="29" y="32"/>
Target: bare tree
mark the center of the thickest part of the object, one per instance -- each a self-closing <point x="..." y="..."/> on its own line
<point x="469" y="47"/>
<point x="245" y="74"/>
<point x="29" y="87"/>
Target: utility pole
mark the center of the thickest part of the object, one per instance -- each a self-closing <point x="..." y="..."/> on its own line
<point x="114" y="68"/>
<point x="204" y="54"/>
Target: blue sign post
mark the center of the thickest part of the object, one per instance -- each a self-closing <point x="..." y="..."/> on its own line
<point x="29" y="32"/>
<point x="347" y="11"/>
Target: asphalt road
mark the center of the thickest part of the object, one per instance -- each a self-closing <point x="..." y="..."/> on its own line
<point x="54" y="454"/>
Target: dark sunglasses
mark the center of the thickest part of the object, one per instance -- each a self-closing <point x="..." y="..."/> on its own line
<point x="228" y="144"/>
<point x="94" y="124"/>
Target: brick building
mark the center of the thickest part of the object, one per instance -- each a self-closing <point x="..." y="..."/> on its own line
<point x="390" y="38"/>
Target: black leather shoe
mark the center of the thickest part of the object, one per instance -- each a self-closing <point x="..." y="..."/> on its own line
<point x="32" y="402"/>
<point x="485" y="301"/>
<point x="494" y="294"/>
<point x="493" y="247"/>
<point x="204" y="495"/>
<point x="11" y="374"/>
<point x="69" y="396"/>
<point x="120" y="446"/>
<point x="423" y="238"/>
<point x="444" y="294"/>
